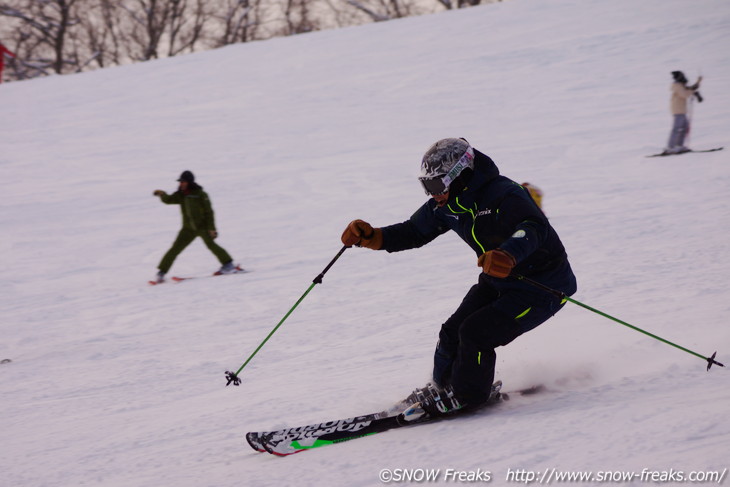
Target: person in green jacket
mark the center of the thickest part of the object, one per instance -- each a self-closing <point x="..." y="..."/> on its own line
<point x="198" y="221"/>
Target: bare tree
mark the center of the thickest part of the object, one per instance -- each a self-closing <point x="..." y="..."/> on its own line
<point x="298" y="17"/>
<point x="148" y="19"/>
<point x="187" y="21"/>
<point x="62" y="36"/>
<point x="173" y="26"/>
<point x="41" y="32"/>
<point x="381" y="10"/>
<point x="452" y="4"/>
<point x="103" y="33"/>
<point x="238" y="21"/>
<point x="340" y="13"/>
<point x="371" y="12"/>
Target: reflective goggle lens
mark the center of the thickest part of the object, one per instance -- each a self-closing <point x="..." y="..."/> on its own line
<point x="434" y="186"/>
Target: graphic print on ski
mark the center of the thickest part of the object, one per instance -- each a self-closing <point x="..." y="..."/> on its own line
<point x="256" y="439"/>
<point x="296" y="439"/>
<point x="665" y="154"/>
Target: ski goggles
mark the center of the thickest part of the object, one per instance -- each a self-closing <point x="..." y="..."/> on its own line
<point x="439" y="185"/>
<point x="434" y="186"/>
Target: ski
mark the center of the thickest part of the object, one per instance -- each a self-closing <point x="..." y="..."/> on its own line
<point x="238" y="270"/>
<point x="292" y="440"/>
<point x="254" y="441"/>
<point x="261" y="441"/>
<point x="664" y="154"/>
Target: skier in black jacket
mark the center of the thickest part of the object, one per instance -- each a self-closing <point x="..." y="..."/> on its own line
<point x="511" y="236"/>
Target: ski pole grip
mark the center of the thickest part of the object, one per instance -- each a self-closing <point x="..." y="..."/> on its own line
<point x="318" y="279"/>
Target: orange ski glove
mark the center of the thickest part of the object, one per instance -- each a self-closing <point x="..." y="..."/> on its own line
<point x="496" y="263"/>
<point x="362" y="234"/>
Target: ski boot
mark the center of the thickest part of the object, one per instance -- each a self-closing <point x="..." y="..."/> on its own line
<point x="431" y="402"/>
<point x="228" y="268"/>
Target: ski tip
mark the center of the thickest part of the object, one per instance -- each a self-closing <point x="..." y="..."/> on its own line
<point x="278" y="448"/>
<point x="254" y="442"/>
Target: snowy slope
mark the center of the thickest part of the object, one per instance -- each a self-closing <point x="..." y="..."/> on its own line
<point x="115" y="383"/>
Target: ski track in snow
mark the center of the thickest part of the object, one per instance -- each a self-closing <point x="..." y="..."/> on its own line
<point x="117" y="383"/>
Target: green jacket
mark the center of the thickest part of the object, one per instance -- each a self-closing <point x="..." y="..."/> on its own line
<point x="197" y="212"/>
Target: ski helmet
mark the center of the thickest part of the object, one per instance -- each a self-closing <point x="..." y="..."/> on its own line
<point x="187" y="176"/>
<point x="679" y="77"/>
<point x="443" y="163"/>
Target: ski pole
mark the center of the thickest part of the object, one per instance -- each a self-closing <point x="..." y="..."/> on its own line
<point x="233" y="376"/>
<point x="561" y="295"/>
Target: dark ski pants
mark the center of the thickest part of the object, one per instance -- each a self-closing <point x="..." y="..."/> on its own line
<point x="184" y="238"/>
<point x="486" y="319"/>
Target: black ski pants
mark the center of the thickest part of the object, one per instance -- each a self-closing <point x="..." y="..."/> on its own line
<point x="486" y="319"/>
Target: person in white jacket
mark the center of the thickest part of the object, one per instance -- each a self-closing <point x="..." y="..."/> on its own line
<point x="681" y="97"/>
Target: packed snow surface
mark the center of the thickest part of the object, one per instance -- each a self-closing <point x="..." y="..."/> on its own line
<point x="113" y="382"/>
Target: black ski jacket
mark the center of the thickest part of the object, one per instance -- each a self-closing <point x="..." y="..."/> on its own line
<point x="491" y="212"/>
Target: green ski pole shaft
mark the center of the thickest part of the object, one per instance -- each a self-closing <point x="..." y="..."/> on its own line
<point x="710" y="360"/>
<point x="233" y="376"/>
